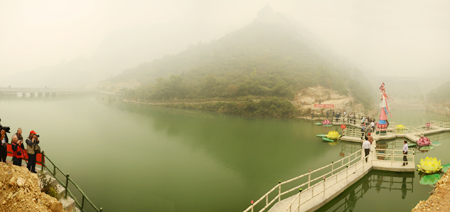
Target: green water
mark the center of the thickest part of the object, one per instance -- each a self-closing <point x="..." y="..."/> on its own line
<point x="137" y="158"/>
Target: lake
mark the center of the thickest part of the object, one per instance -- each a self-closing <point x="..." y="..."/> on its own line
<point x="139" y="158"/>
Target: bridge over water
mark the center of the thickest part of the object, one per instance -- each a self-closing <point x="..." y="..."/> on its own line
<point x="41" y="92"/>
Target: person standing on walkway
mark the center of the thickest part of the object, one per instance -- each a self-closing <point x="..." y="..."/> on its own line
<point x="366" y="147"/>
<point x="3" y="145"/>
<point x="370" y="138"/>
<point x="17" y="147"/>
<point x="328" y="113"/>
<point x="372" y="124"/>
<point x="32" y="141"/>
<point x="405" y="153"/>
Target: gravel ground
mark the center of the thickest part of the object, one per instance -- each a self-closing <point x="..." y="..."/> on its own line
<point x="20" y="191"/>
<point x="440" y="197"/>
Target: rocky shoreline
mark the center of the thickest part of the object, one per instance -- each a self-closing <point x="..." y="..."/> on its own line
<point x="439" y="199"/>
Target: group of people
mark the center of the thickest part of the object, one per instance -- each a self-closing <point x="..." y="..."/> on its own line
<point x="19" y="149"/>
<point x="367" y="125"/>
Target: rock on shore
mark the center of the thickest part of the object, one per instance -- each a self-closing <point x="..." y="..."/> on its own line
<point x="20" y="191"/>
<point x="306" y="98"/>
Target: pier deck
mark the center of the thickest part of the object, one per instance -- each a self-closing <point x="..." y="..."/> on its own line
<point x="309" y="192"/>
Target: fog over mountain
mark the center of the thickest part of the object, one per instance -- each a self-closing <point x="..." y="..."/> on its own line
<point x="79" y="43"/>
<point x="118" y="51"/>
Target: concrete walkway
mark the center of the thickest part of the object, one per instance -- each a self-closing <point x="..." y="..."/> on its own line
<point x="313" y="198"/>
<point x="413" y="137"/>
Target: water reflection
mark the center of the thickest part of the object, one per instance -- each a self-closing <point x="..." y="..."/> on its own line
<point x="374" y="181"/>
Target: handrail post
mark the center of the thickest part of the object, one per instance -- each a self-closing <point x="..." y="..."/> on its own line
<point x="332" y="167"/>
<point x="324" y="187"/>
<point x="363" y="162"/>
<point x="82" y="202"/>
<point x="42" y="161"/>
<point x="252" y="205"/>
<point x="299" y="195"/>
<point x="309" y="179"/>
<point x="67" y="185"/>
<point x="279" y="190"/>
<point x="346" y="177"/>
<point x="371" y="161"/>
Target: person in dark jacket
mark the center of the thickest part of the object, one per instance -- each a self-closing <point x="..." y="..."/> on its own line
<point x="17" y="147"/>
<point x="31" y="145"/>
<point x="3" y="145"/>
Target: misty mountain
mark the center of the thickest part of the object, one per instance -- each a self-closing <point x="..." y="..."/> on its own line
<point x="118" y="50"/>
<point x="270" y="57"/>
<point x="440" y="95"/>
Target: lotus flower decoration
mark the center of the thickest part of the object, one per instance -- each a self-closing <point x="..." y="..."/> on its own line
<point x="326" y="122"/>
<point x="424" y="141"/>
<point x="430" y="165"/>
<point x="333" y="135"/>
<point x="400" y="127"/>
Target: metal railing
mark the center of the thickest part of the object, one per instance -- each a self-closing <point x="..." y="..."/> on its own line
<point x="297" y="199"/>
<point x="310" y="182"/>
<point x="65" y="184"/>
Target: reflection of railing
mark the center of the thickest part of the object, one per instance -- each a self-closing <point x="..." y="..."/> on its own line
<point x="350" y="147"/>
<point x="66" y="186"/>
<point x="373" y="181"/>
<point x="336" y="168"/>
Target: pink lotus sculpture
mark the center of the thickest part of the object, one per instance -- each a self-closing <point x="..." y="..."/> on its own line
<point x="424" y="141"/>
<point x="326" y="122"/>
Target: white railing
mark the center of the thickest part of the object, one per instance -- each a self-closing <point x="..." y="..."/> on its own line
<point x="337" y="167"/>
<point x="297" y="200"/>
<point x="353" y="132"/>
<point x="392" y="154"/>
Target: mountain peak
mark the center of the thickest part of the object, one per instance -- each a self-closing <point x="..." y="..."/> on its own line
<point x="266" y="15"/>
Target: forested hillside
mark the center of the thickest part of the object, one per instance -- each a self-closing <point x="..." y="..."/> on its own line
<point x="440" y="94"/>
<point x="270" y="58"/>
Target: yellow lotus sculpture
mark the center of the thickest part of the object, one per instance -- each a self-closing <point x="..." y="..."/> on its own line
<point x="333" y="135"/>
<point x="430" y="165"/>
<point x="400" y="127"/>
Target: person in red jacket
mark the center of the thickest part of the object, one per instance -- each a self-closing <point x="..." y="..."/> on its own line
<point x="17" y="147"/>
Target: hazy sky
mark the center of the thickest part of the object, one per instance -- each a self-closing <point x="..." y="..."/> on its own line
<point x="388" y="37"/>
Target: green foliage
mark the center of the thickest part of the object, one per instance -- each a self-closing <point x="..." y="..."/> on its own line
<point x="47" y="186"/>
<point x="261" y="59"/>
<point x="264" y="108"/>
